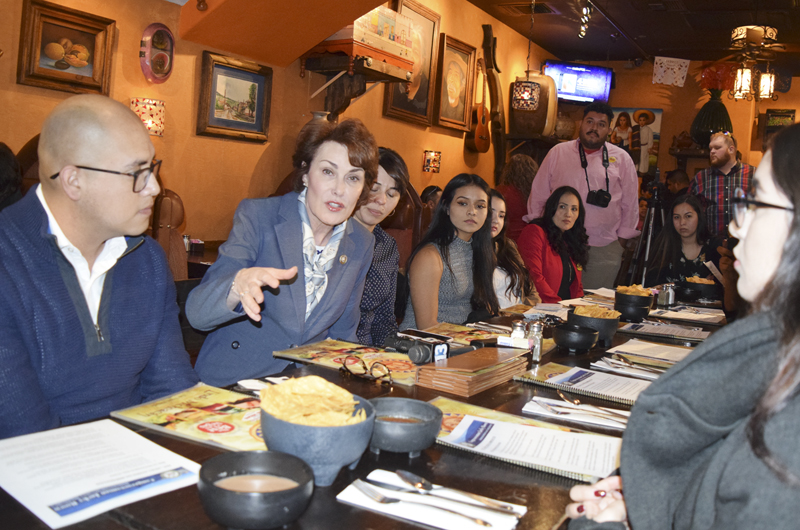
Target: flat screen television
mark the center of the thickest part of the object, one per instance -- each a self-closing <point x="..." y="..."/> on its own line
<point x="580" y="83"/>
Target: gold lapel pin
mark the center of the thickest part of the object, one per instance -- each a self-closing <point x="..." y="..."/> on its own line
<point x="342" y="259"/>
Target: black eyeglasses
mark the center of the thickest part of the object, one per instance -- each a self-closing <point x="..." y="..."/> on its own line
<point x="743" y="202"/>
<point x="377" y="371"/>
<point x="140" y="177"/>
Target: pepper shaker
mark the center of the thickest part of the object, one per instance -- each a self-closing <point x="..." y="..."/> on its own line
<point x="535" y="340"/>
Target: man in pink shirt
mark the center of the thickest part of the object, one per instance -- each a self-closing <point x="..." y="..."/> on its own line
<point x="610" y="194"/>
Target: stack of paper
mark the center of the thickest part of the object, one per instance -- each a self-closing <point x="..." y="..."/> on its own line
<point x="473" y="372"/>
<point x="68" y="475"/>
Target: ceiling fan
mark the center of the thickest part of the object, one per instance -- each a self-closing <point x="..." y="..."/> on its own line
<point x="755" y="43"/>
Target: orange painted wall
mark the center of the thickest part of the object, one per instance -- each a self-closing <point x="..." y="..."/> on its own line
<point x="212" y="175"/>
<point x="463" y="21"/>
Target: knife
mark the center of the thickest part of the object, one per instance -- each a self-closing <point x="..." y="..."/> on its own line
<point x="392" y="487"/>
<point x="423" y="486"/>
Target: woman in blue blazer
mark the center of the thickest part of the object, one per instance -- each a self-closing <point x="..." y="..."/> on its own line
<point x="292" y="270"/>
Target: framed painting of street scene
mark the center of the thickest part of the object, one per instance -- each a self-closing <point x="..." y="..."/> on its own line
<point x="235" y="99"/>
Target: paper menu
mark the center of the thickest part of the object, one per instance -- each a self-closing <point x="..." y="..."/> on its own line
<point x="68" y="475"/>
<point x="596" y="383"/>
<point x="679" y="332"/>
<point x="711" y="316"/>
<point x="652" y="350"/>
<point x="576" y="453"/>
<point x="603" y="291"/>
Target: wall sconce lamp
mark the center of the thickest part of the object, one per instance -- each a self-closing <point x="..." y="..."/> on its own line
<point x="432" y="161"/>
<point x="151" y="112"/>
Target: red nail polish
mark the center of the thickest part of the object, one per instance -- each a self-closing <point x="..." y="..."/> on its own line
<point x="580" y="508"/>
<point x="599" y="493"/>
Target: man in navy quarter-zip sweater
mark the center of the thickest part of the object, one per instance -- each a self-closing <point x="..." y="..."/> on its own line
<point x="88" y="312"/>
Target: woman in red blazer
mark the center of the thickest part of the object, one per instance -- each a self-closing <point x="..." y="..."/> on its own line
<point x="555" y="246"/>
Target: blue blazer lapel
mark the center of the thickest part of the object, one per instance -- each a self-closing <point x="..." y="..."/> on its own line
<point x="335" y="294"/>
<point x="289" y="234"/>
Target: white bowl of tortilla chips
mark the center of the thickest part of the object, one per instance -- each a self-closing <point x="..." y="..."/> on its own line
<point x="317" y="421"/>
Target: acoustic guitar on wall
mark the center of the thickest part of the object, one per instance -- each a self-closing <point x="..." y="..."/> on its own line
<point x="478" y="138"/>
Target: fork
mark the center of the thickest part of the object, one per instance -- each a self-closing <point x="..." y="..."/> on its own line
<point x="603" y="410"/>
<point x="377" y="496"/>
<point x="601" y="415"/>
<point x="631" y="364"/>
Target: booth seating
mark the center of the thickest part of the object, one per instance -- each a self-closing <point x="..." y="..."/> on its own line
<point x="28" y="158"/>
<point x="168" y="215"/>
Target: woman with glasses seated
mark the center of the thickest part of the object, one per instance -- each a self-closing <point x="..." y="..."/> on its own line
<point x="292" y="270"/>
<point x="712" y="443"/>
<point x="450" y="271"/>
<point x="684" y="245"/>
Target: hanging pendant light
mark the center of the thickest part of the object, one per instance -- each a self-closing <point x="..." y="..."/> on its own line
<point x="525" y="95"/>
<point x="742" y="88"/>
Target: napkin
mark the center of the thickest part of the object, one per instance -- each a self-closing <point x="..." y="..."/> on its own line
<point x="533" y="407"/>
<point x="421" y="514"/>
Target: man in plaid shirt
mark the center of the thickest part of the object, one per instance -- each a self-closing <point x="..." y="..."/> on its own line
<point x="716" y="185"/>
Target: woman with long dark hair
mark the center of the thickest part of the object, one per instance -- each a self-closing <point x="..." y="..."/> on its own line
<point x="713" y="442"/>
<point x="512" y="282"/>
<point x="684" y="245"/>
<point x="555" y="247"/>
<point x="450" y="270"/>
<point x="621" y="132"/>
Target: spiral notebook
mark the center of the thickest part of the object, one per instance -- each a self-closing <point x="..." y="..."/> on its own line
<point x="591" y="383"/>
<point x="572" y="447"/>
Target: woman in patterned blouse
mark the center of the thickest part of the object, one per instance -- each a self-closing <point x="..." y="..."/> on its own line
<point x="450" y="271"/>
<point x="684" y="245"/>
<point x="377" y="304"/>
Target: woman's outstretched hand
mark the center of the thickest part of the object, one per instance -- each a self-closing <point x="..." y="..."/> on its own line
<point x="248" y="284"/>
<point x="601" y="502"/>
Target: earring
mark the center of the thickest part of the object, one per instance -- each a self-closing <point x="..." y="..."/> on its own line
<point x="391" y="214"/>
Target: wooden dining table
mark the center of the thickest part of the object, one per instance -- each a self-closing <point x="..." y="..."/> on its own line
<point x="544" y="494"/>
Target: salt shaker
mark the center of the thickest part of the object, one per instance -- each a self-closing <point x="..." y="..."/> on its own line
<point x="518" y="330"/>
<point x="535" y="340"/>
<point x="666" y="297"/>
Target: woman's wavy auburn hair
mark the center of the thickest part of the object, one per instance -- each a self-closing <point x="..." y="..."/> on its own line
<point x="362" y="150"/>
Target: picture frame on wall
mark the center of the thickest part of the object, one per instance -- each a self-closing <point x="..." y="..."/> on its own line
<point x="235" y="99"/>
<point x="637" y="131"/>
<point x="455" y="85"/>
<point x="414" y="102"/>
<point x="64" y="49"/>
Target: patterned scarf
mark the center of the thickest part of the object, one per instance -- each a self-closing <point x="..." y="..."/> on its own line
<point x="317" y="264"/>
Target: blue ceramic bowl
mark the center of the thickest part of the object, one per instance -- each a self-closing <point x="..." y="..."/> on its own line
<point x="326" y="449"/>
<point x="255" y="511"/>
<point x="403" y="437"/>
